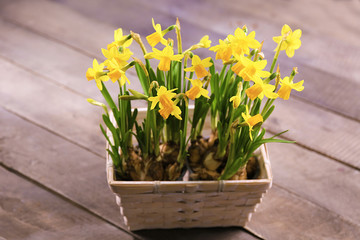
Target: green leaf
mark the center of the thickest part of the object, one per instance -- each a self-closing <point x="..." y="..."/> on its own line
<point x="151" y="74"/>
<point x="235" y="166"/>
<point x="160" y="77"/>
<point x="281" y="133"/>
<point x="257" y="144"/>
<point x="107" y="96"/>
<point x="212" y="68"/>
<point x="256" y="107"/>
<point x="115" y="159"/>
<point x="104" y="133"/>
<point x="112" y="129"/>
<point x="267" y="114"/>
<point x="142" y="78"/>
<point x="133" y="118"/>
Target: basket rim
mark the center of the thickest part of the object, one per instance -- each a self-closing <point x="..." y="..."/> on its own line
<point x="266" y="180"/>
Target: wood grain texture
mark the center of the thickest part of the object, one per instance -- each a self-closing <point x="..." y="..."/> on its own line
<point x="48" y="47"/>
<point x="324" y="127"/>
<point x="62" y="163"/>
<point x="63" y="112"/>
<point x="59" y="164"/>
<point x="98" y="198"/>
<point x="321" y="78"/>
<point x="301" y="221"/>
<point x="30" y="212"/>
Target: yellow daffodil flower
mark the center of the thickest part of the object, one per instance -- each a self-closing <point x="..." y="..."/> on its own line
<point x="113" y="53"/>
<point x="164" y="96"/>
<point x="291" y="40"/>
<point x="199" y="66"/>
<point x="119" y="40"/>
<point x="157" y="36"/>
<point x="205" y="42"/>
<point x="166" y="105"/>
<point x="251" y="121"/>
<point x="259" y="89"/>
<point x="116" y="73"/>
<point x="236" y="101"/>
<point x="249" y="70"/>
<point x="97" y="73"/>
<point x="223" y="50"/>
<point x="241" y="42"/>
<point x="165" y="56"/>
<point x="171" y="109"/>
<point x="287" y="86"/>
<point x="197" y="90"/>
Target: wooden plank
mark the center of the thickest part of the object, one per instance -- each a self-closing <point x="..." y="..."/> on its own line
<point x="319" y="128"/>
<point x="284" y="216"/>
<point x="277" y="121"/>
<point x="65" y="167"/>
<point x="64" y="65"/>
<point x="334" y="139"/>
<point x="319" y="41"/>
<point x="73" y="192"/>
<point x="320" y="84"/>
<point x="266" y="26"/>
<point x="56" y="169"/>
<point x="314" y="177"/>
<point x="58" y="164"/>
<point x="92" y="138"/>
<point x="30" y="212"/>
<point x="49" y="105"/>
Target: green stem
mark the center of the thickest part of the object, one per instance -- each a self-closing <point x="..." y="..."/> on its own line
<point x="221" y="152"/>
<point x="267" y="105"/>
<point x="147" y="133"/>
<point x="275" y="57"/>
<point x="188" y="85"/>
<point x="156" y="134"/>
<point x="184" y="75"/>
<point x="183" y="140"/>
<point x="107" y="97"/>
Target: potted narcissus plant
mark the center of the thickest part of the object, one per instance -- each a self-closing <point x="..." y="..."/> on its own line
<point x="238" y="109"/>
<point x="164" y="172"/>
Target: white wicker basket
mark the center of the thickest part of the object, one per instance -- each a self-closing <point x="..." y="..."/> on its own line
<point x="189" y="204"/>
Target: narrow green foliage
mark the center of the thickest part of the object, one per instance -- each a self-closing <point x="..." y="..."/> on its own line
<point x="145" y="84"/>
<point x="236" y="106"/>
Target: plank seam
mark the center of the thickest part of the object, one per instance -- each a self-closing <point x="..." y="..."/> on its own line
<point x="67" y="199"/>
<point x="318" y="152"/>
<point x="41" y="76"/>
<point x="77" y="204"/>
<point x="78" y="93"/>
<point x="46" y="36"/>
<point x="81" y="51"/>
<point x="347" y="220"/>
<point x="52" y="132"/>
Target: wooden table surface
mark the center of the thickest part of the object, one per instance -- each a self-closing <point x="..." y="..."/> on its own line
<point x="52" y="171"/>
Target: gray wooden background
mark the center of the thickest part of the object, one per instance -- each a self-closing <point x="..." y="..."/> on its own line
<point x="52" y="171"/>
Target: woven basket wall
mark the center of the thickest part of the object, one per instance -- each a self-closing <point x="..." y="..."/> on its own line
<point x="188" y="204"/>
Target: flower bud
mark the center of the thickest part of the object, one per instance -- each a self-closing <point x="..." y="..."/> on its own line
<point x="138" y="61"/>
<point x="137" y="39"/>
<point x="96" y="103"/>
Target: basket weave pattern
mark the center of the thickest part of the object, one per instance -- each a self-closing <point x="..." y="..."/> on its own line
<point x="187" y="204"/>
